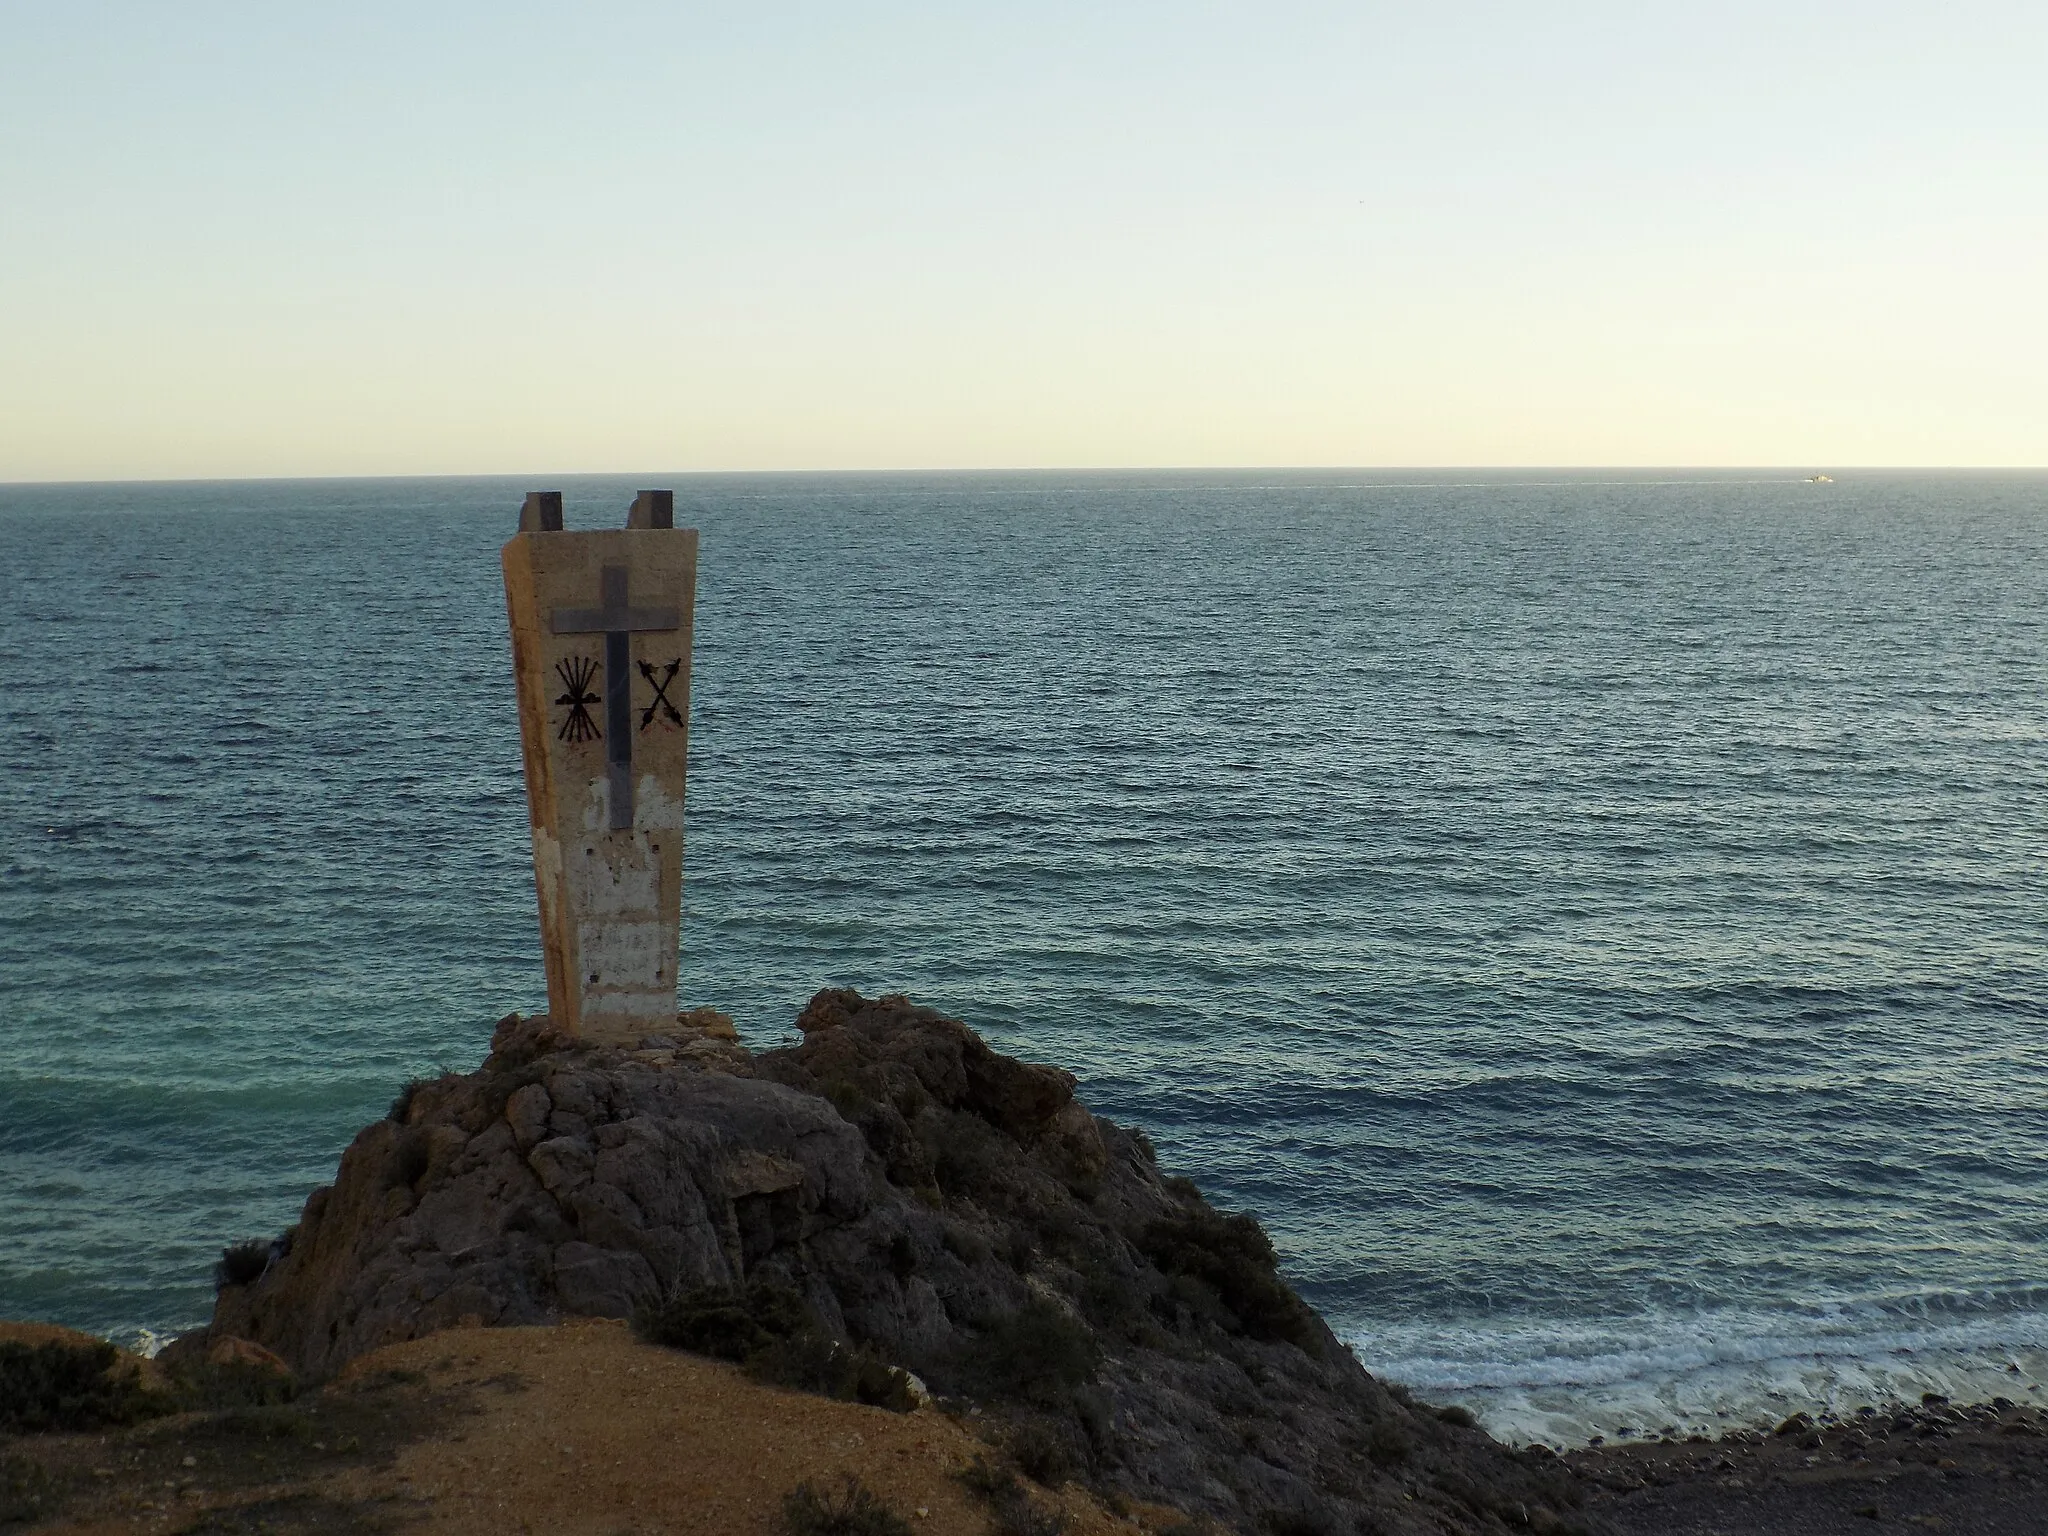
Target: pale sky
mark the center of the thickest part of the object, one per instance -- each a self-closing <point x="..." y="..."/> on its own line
<point x="367" y="238"/>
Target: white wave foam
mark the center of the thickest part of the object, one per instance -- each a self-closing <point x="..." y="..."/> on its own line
<point x="148" y="1342"/>
<point x="1563" y="1383"/>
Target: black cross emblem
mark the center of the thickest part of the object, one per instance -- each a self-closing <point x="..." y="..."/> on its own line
<point x="576" y="673"/>
<point x="660" y="687"/>
<point x="618" y="621"/>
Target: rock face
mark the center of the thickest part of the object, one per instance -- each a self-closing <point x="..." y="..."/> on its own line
<point x="954" y="1210"/>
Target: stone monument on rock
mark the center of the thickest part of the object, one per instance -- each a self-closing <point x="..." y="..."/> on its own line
<point x="601" y="651"/>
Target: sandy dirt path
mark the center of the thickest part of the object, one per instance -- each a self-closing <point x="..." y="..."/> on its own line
<point x="573" y="1429"/>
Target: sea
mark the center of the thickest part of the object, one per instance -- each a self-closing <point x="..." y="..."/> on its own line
<point x="1598" y="922"/>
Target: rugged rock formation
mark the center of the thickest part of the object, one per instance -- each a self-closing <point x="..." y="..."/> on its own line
<point x="952" y="1209"/>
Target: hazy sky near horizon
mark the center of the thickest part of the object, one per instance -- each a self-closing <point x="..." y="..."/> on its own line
<point x="378" y="238"/>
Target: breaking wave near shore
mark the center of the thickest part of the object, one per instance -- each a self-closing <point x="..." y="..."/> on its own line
<point x="1564" y="1383"/>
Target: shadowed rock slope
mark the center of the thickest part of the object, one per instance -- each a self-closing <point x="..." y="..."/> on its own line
<point x="953" y="1210"/>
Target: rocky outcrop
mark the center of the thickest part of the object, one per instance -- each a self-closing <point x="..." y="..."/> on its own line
<point x="955" y="1211"/>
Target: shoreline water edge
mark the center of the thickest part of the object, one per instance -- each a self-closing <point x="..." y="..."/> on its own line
<point x="1584" y="1383"/>
<point x="1568" y="1408"/>
<point x="1721" y="1378"/>
<point x="1713" y="1375"/>
<point x="891" y="1195"/>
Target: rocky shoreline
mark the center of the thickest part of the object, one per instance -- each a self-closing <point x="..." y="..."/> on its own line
<point x="892" y="1214"/>
<point x="1978" y="1468"/>
<point x="928" y="1204"/>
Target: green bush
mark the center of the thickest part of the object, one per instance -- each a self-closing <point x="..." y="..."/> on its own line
<point x="1388" y="1443"/>
<point x="60" y="1386"/>
<point x="1025" y="1519"/>
<point x="1231" y="1256"/>
<point x="967" y="1245"/>
<point x="1010" y="1508"/>
<point x="1037" y="1353"/>
<point x="203" y="1384"/>
<point x="969" y="1156"/>
<point x="1043" y="1453"/>
<point x="855" y="1512"/>
<point x="773" y="1333"/>
<point x="814" y="1361"/>
<point x="264" y="1422"/>
<point x="297" y="1512"/>
<point x="401" y="1106"/>
<point x="1113" y="1295"/>
<point x="724" y="1322"/>
<point x="990" y="1481"/>
<point x="27" y="1491"/>
<point x="242" y="1263"/>
<point x="848" y="1098"/>
<point x="1302" y="1520"/>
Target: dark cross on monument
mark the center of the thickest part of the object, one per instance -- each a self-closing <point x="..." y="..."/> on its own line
<point x="618" y="621"/>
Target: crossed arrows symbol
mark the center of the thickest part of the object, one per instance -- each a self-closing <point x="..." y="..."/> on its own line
<point x="661" y="701"/>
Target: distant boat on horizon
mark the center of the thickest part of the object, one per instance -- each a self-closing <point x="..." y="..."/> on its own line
<point x="1820" y="479"/>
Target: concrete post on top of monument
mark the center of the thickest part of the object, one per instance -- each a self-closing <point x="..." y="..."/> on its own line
<point x="601" y="650"/>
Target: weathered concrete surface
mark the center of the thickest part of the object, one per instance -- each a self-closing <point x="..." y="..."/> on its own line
<point x="605" y="786"/>
<point x="956" y="1210"/>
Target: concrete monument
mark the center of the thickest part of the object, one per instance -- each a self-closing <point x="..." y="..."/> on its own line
<point x="601" y="651"/>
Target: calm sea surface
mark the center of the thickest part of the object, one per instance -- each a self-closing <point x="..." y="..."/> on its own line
<point x="1600" y="924"/>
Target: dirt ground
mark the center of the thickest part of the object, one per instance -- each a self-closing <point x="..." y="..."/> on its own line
<point x="574" y="1429"/>
<point x="583" y="1429"/>
<point x="1973" y="1471"/>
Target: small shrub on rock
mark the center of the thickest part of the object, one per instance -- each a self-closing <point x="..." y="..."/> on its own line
<point x="242" y="1263"/>
<point x="726" y="1323"/>
<point x="1025" y="1519"/>
<point x="1096" y="1416"/>
<point x="1042" y="1453"/>
<point x="1232" y="1257"/>
<point x="264" y="1422"/>
<point x="1189" y="1296"/>
<point x="1010" y="1508"/>
<point x="62" y="1386"/>
<point x="1065" y="1233"/>
<point x="215" y="1385"/>
<point x="1017" y="1249"/>
<point x="1388" y="1443"/>
<point x="1112" y="1295"/>
<point x="27" y="1491"/>
<point x="776" y="1337"/>
<point x="814" y="1361"/>
<point x="1303" y="1520"/>
<point x="1037" y="1353"/>
<point x="967" y="1245"/>
<point x="848" y="1098"/>
<point x="401" y="1106"/>
<point x="856" y="1511"/>
<point x="968" y="1154"/>
<point x="989" y="1481"/>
